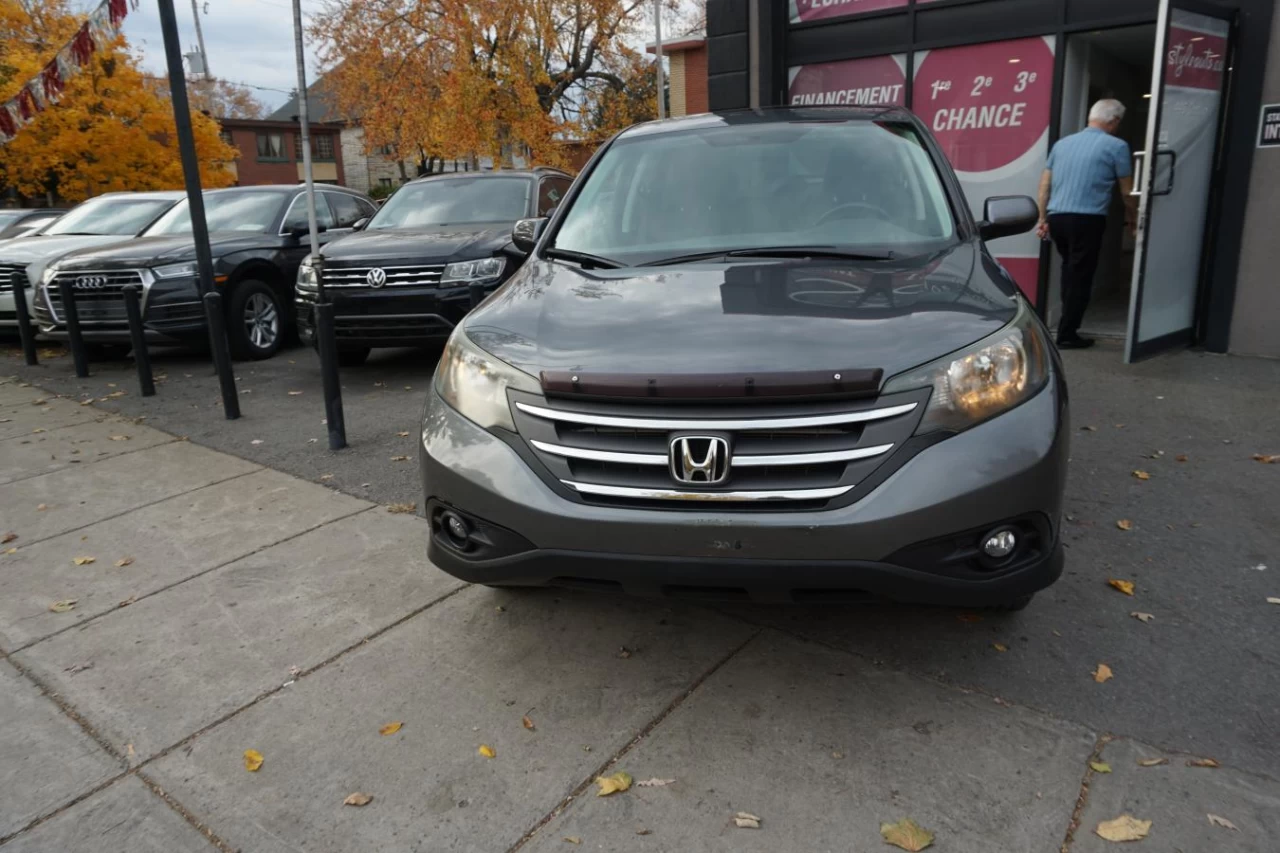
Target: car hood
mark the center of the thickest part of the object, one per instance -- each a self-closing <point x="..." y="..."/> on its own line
<point x="39" y="252"/>
<point x="151" y="251"/>
<point x="435" y="245"/>
<point x="759" y="315"/>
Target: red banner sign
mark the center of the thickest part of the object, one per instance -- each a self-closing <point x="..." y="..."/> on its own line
<point x="1195" y="59"/>
<point x="817" y="10"/>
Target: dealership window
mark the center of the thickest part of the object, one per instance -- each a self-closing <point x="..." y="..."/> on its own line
<point x="874" y="80"/>
<point x="988" y="106"/>
<point x="803" y="11"/>
<point x="270" y="146"/>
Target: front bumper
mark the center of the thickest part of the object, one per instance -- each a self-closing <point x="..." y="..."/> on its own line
<point x="387" y="317"/>
<point x="172" y="313"/>
<point x="1012" y="467"/>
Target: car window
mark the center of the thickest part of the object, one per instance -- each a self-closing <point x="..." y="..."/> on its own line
<point x="122" y="216"/>
<point x="455" y="201"/>
<point x="243" y="210"/>
<point x="297" y="216"/>
<point x="854" y="185"/>
<point x="7" y="216"/>
<point x="550" y="192"/>
<point x="347" y="210"/>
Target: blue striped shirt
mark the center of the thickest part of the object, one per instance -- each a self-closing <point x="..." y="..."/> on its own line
<point x="1085" y="167"/>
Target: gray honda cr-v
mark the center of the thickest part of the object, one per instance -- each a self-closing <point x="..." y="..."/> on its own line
<point x="759" y="355"/>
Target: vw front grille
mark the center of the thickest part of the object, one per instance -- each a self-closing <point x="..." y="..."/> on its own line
<point x="410" y="275"/>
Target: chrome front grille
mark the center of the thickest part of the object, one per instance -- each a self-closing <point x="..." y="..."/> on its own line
<point x="99" y="295"/>
<point x="780" y="455"/>
<point x="9" y="273"/>
<point x="409" y="275"/>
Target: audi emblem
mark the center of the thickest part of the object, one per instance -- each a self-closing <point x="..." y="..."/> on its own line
<point x="700" y="459"/>
<point x="90" y="282"/>
<point x="376" y="277"/>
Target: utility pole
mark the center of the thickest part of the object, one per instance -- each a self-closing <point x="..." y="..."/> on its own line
<point x="322" y="312"/>
<point x="204" y="56"/>
<point x="657" y="40"/>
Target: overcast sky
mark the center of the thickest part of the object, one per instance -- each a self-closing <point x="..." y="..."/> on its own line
<point x="249" y="41"/>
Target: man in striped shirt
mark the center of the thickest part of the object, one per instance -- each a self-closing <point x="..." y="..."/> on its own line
<point x="1075" y="192"/>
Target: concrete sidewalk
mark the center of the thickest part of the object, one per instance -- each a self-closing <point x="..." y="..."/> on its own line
<point x="228" y="607"/>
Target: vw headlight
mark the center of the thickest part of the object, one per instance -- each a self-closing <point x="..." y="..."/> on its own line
<point x="982" y="380"/>
<point x="485" y="269"/>
<point x="187" y="270"/>
<point x="475" y="383"/>
<point x="307" y="278"/>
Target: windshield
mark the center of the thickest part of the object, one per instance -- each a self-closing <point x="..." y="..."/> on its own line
<point x="455" y="201"/>
<point x="848" y="185"/>
<point x="118" y="216"/>
<point x="250" y="210"/>
<point x="7" y="216"/>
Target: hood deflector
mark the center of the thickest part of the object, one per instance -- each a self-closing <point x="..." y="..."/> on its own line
<point x="809" y="384"/>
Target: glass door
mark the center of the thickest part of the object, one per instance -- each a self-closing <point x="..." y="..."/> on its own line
<point x="1174" y="173"/>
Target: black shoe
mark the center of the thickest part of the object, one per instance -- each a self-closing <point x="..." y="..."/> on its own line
<point x="1075" y="342"/>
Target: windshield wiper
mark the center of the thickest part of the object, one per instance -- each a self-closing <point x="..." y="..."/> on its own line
<point x="778" y="252"/>
<point x="582" y="257"/>
<point x="77" y="234"/>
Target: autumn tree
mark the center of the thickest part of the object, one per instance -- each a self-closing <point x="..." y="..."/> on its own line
<point x="221" y="98"/>
<point x="477" y="77"/>
<point x="110" y="131"/>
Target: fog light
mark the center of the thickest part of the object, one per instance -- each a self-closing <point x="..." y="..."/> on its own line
<point x="457" y="529"/>
<point x="1000" y="544"/>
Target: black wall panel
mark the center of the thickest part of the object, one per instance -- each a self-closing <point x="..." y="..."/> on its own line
<point x="848" y="38"/>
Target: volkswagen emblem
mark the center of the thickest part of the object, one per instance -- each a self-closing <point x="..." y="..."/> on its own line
<point x="90" y="282"/>
<point x="700" y="459"/>
<point x="376" y="277"/>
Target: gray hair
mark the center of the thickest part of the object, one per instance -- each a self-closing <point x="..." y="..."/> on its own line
<point x="1107" y="110"/>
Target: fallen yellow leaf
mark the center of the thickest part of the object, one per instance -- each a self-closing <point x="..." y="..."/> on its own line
<point x="7" y="538"/>
<point x="1000" y="647"/>
<point x="1124" y="586"/>
<point x="613" y="783"/>
<point x="1089" y="428"/>
<point x="1203" y="762"/>
<point x="486" y="751"/>
<point x="84" y="561"/>
<point x="906" y="834"/>
<point x="527" y="723"/>
<point x="572" y="839"/>
<point x="1100" y="766"/>
<point x="252" y="760"/>
<point x="398" y="508"/>
<point x="403" y="434"/>
<point x="390" y="728"/>
<point x="41" y="507"/>
<point x="1124" y="828"/>
<point x="119" y="438"/>
<point x="1152" y="762"/>
<point x="357" y="799"/>
<point x="746" y="820"/>
<point x="1102" y="673"/>
<point x="63" y="606"/>
<point x="11" y="550"/>
<point x="399" y="458"/>
<point x="1181" y="457"/>
<point x="1268" y="459"/>
<point x="130" y="600"/>
<point x="1142" y="475"/>
<point x="654" y="783"/>
<point x="124" y="561"/>
<point x="1142" y="617"/>
<point x="1124" y="524"/>
<point x="1215" y="820"/>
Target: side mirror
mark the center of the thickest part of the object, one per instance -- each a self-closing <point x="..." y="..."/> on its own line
<point x="526" y="232"/>
<point x="361" y="224"/>
<point x="1005" y="215"/>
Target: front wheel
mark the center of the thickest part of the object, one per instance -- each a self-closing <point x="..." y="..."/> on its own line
<point x="255" y="327"/>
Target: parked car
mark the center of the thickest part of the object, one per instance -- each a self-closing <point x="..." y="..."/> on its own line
<point x="403" y="279"/>
<point x="258" y="236"/>
<point x="759" y="355"/>
<point x="100" y="221"/>
<point x="23" y="223"/>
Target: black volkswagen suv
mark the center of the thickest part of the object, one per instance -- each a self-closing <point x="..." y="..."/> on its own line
<point x="258" y="236"/>
<point x="404" y="278"/>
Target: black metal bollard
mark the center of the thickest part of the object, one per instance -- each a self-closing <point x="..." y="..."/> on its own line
<point x="221" y="357"/>
<point x="78" y="354"/>
<point x="141" y="358"/>
<point x="477" y="294"/>
<point x="25" y="330"/>
<point x="327" y="345"/>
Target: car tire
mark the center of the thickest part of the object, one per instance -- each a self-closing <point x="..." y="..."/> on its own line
<point x="255" y="323"/>
<point x="1014" y="604"/>
<point x="352" y="357"/>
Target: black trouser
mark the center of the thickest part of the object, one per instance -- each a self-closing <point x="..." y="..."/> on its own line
<point x="1078" y="237"/>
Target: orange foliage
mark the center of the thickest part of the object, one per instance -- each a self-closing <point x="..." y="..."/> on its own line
<point x="461" y="78"/>
<point x="111" y="130"/>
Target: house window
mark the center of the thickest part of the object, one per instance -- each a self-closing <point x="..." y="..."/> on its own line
<point x="225" y="136"/>
<point x="324" y="146"/>
<point x="387" y="150"/>
<point x="270" y="146"/>
<point x="384" y="182"/>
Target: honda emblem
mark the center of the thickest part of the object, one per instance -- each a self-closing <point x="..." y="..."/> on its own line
<point x="700" y="459"/>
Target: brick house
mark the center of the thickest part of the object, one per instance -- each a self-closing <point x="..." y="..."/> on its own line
<point x="686" y="74"/>
<point x="271" y="151"/>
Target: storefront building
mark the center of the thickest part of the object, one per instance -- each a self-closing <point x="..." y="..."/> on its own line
<point x="998" y="81"/>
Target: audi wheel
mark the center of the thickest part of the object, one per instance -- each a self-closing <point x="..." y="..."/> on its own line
<point x="255" y="325"/>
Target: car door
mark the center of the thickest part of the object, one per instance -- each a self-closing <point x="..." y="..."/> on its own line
<point x="295" y="249"/>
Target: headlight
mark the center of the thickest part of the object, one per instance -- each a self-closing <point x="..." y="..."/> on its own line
<point x="187" y="270"/>
<point x="475" y="383"/>
<point x="307" y="278"/>
<point x="982" y="380"/>
<point x="481" y="270"/>
<point x="49" y="272"/>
